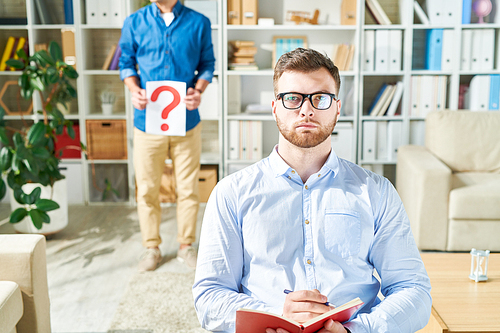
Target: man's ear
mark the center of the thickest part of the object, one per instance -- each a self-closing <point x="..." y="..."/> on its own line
<point x="273" y="105"/>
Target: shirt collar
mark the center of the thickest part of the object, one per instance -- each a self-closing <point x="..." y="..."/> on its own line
<point x="280" y="167"/>
<point x="176" y="10"/>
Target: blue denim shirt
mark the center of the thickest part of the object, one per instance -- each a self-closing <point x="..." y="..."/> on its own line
<point x="167" y="53"/>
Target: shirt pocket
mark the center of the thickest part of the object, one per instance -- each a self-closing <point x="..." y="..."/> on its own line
<point x="342" y="233"/>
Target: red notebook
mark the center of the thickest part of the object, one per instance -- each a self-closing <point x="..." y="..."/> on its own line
<point x="255" y="321"/>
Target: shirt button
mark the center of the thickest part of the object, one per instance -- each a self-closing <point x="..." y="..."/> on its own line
<point x="307" y="187"/>
<point x="166" y="66"/>
<point x="166" y="52"/>
<point x="309" y="261"/>
<point x="289" y="177"/>
<point x="319" y="175"/>
<point x="293" y="171"/>
<point x="307" y="221"/>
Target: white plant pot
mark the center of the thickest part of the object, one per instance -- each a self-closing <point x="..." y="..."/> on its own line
<point x="58" y="217"/>
<point x="107" y="109"/>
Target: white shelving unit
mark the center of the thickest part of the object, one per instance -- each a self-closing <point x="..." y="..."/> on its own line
<point x="92" y="44"/>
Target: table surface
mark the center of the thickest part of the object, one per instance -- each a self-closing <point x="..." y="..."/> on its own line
<point x="463" y="304"/>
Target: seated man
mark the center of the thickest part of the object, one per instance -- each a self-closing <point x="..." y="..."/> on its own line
<point x="306" y="220"/>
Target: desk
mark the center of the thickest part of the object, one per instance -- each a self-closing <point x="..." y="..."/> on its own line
<point x="458" y="303"/>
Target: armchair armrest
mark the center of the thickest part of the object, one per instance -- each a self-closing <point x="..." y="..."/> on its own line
<point x="424" y="184"/>
<point x="23" y="260"/>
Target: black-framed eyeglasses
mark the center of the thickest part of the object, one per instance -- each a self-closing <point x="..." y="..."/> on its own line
<point x="294" y="101"/>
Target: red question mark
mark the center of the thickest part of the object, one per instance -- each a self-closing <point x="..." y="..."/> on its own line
<point x="171" y="106"/>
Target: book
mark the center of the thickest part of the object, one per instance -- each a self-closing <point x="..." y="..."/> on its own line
<point x="109" y="57"/>
<point x="396" y="99"/>
<point x="378" y="12"/>
<point x="422" y="16"/>
<point x="116" y="58"/>
<point x="13" y="20"/>
<point x="20" y="45"/>
<point x="6" y="52"/>
<point x="385" y="105"/>
<point x="44" y="14"/>
<point x="255" y="321"/>
<point x="377" y="97"/>
<point x="12" y="53"/>
<point x="350" y="56"/>
<point x="383" y="101"/>
<point x="467" y="11"/>
<point x="434" y="49"/>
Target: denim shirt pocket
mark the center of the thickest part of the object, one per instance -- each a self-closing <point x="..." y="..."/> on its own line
<point x="342" y="232"/>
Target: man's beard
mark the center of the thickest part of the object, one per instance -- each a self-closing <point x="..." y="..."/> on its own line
<point x="306" y="138"/>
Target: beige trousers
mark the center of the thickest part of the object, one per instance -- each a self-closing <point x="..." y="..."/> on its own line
<point x="150" y="152"/>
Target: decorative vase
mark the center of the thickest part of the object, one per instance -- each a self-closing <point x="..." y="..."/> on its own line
<point x="58" y="217"/>
<point x="107" y="109"/>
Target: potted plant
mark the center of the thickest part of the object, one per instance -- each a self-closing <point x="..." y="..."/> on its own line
<point x="31" y="160"/>
<point x="107" y="101"/>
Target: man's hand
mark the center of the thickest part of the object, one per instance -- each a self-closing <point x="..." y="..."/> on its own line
<point x="192" y="99"/>
<point x="329" y="327"/>
<point x="139" y="99"/>
<point x="304" y="305"/>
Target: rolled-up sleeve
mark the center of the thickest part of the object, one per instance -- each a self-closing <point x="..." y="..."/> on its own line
<point x="128" y="60"/>
<point x="206" y="66"/>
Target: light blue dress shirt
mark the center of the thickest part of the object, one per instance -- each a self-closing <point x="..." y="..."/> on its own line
<point x="167" y="53"/>
<point x="264" y="231"/>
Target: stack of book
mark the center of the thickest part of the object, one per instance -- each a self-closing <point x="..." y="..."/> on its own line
<point x="242" y="55"/>
<point x="113" y="58"/>
<point x="10" y="51"/>
<point x="387" y="100"/>
<point x="342" y="56"/>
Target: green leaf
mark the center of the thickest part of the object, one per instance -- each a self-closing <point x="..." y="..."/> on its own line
<point x="28" y="92"/>
<point x="45" y="217"/>
<point x="46" y="205"/>
<point x="44" y="58"/>
<point x="36" y="83"/>
<point x="71" y="131"/>
<point x="55" y="51"/>
<point x="3" y="188"/>
<point x="31" y="198"/>
<point x="3" y="136"/>
<point x="36" y="218"/>
<point x="36" y="133"/>
<point x="15" y="63"/>
<point x="15" y="164"/>
<point x="40" y="152"/>
<point x="18" y="215"/>
<point x="70" y="72"/>
<point x="21" y="54"/>
<point x="5" y="159"/>
<point x="18" y="140"/>
<point x="52" y="75"/>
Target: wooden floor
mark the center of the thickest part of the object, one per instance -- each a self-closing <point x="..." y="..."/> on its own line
<point x="90" y="262"/>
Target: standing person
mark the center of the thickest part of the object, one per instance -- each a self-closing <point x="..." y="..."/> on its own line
<point x="306" y="220"/>
<point x="168" y="42"/>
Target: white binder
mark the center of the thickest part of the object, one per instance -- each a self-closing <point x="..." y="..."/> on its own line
<point x="448" y="50"/>
<point x="116" y="12"/>
<point x="488" y="49"/>
<point x="382" y="154"/>
<point x="465" y="57"/>
<point x="369" y="141"/>
<point x="381" y="50"/>
<point x="476" y="50"/>
<point x="479" y="93"/>
<point x="256" y="143"/>
<point x="234" y="139"/>
<point x="449" y="11"/>
<point x="415" y="95"/>
<point x="395" y="43"/>
<point x="341" y="139"/>
<point x="92" y="10"/>
<point x="369" y="51"/>
<point x="427" y="95"/>
<point x="394" y="136"/>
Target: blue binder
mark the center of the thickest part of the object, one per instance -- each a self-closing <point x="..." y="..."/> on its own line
<point x="434" y="49"/>
<point x="68" y="12"/>
<point x="494" y="91"/>
<point x="466" y="11"/>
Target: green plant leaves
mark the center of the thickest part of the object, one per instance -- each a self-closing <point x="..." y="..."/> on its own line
<point x="15" y="63"/>
<point x="55" y="51"/>
<point x="31" y="198"/>
<point x="5" y="159"/>
<point x="43" y="58"/>
<point x="36" y="133"/>
<point x="18" y="215"/>
<point x="3" y="136"/>
<point x="3" y="188"/>
<point x="36" y="218"/>
<point x="46" y="205"/>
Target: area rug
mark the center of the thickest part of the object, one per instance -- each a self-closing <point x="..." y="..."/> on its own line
<point x="157" y="302"/>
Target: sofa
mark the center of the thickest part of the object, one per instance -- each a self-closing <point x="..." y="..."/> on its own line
<point x="451" y="186"/>
<point x="24" y="296"/>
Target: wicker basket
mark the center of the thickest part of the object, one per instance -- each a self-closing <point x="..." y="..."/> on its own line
<point x="107" y="139"/>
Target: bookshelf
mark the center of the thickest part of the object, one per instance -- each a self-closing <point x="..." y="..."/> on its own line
<point x="93" y="41"/>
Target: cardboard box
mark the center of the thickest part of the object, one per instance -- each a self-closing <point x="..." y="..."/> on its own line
<point x="207" y="180"/>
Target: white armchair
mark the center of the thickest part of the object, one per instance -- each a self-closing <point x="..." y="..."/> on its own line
<point x="451" y="187"/>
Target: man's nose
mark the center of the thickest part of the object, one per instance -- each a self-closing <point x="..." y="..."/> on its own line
<point x="307" y="108"/>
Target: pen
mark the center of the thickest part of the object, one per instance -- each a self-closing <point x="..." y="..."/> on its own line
<point x="287" y="291"/>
